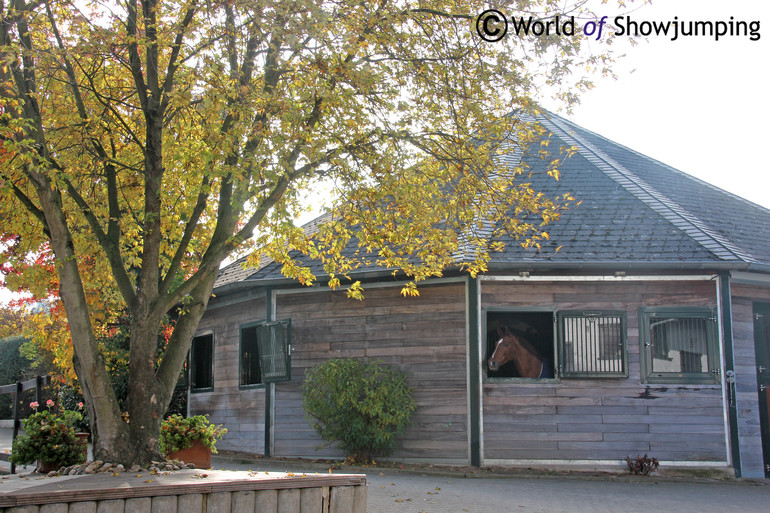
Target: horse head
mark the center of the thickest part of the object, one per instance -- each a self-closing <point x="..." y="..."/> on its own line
<point x="510" y="347"/>
<point x="504" y="349"/>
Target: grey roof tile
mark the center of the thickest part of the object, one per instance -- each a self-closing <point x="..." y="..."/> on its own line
<point x="633" y="209"/>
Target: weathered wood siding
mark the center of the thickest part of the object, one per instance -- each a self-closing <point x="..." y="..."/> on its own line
<point x="242" y="412"/>
<point x="425" y="336"/>
<point x="601" y="419"/>
<point x="749" y="435"/>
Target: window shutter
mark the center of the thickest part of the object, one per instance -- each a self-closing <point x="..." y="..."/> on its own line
<point x="274" y="345"/>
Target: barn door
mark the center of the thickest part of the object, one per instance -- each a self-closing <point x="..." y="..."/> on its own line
<point x="762" y="345"/>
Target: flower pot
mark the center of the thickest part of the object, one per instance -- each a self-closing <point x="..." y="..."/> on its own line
<point x="197" y="454"/>
<point x="83" y="440"/>
<point x="44" y="467"/>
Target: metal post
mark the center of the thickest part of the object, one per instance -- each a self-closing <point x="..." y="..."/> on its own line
<point x="729" y="355"/>
<point x="39" y="389"/>
<point x="16" y="419"/>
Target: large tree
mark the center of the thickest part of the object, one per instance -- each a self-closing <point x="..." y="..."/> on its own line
<point x="145" y="142"/>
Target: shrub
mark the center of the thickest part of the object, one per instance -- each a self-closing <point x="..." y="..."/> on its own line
<point x="48" y="437"/>
<point x="359" y="404"/>
<point x="177" y="433"/>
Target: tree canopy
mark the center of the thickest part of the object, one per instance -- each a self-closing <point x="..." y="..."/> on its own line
<point x="145" y="142"/>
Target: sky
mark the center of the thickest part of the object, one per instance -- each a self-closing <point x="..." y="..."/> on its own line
<point x="699" y="105"/>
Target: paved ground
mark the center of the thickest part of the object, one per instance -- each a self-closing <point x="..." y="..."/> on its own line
<point x="441" y="491"/>
<point x="437" y="490"/>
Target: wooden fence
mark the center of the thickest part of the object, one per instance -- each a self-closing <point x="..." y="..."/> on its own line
<point x="36" y="384"/>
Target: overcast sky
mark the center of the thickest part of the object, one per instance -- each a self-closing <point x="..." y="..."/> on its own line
<point x="699" y="105"/>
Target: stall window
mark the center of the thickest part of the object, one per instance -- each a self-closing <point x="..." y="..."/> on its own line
<point x="679" y="345"/>
<point x="592" y="344"/>
<point x="520" y="344"/>
<point x="265" y="354"/>
<point x="249" y="357"/>
<point x="202" y="363"/>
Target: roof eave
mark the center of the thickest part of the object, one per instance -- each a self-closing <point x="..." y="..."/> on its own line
<point x="515" y="267"/>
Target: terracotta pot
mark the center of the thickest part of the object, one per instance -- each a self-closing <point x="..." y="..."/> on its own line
<point x="44" y="467"/>
<point x="83" y="440"/>
<point x="197" y="454"/>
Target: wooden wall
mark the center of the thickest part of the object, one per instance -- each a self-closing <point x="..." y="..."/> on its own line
<point x="601" y="419"/>
<point x="425" y="336"/>
<point x="743" y="297"/>
<point x="241" y="411"/>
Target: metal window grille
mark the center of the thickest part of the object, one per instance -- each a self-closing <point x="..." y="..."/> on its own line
<point x="679" y="346"/>
<point x="592" y="344"/>
<point x="274" y="351"/>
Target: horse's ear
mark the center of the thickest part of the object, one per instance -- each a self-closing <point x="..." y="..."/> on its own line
<point x="500" y="332"/>
<point x="504" y="331"/>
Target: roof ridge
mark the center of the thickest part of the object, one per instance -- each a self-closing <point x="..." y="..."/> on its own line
<point x="678" y="216"/>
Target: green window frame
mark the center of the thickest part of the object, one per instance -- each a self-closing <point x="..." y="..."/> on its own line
<point x="202" y="363"/>
<point x="265" y="353"/>
<point x="679" y="345"/>
<point x="543" y="323"/>
<point x="592" y="344"/>
<point x="275" y="350"/>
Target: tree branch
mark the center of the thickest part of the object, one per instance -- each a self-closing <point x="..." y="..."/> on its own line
<point x="111" y="247"/>
<point x="173" y="65"/>
<point x="189" y="229"/>
<point x="135" y="61"/>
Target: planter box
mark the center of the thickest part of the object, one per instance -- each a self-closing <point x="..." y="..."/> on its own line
<point x="188" y="491"/>
<point x="197" y="454"/>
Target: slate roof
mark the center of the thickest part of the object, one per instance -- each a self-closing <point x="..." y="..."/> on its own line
<point x="634" y="211"/>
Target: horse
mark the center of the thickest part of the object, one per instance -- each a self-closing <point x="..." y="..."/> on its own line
<point x="528" y="362"/>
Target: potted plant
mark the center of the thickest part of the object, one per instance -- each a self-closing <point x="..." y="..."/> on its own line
<point x="190" y="439"/>
<point x="49" y="438"/>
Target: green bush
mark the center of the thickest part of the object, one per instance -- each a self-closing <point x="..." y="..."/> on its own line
<point x="359" y="404"/>
<point x="48" y="437"/>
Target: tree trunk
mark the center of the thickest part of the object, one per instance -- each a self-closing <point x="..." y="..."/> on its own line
<point x="109" y="431"/>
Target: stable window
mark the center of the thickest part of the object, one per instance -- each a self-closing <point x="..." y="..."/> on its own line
<point x="592" y="344"/>
<point x="265" y="354"/>
<point x="274" y="351"/>
<point x="201" y="363"/>
<point x="679" y="345"/>
<point x="520" y="344"/>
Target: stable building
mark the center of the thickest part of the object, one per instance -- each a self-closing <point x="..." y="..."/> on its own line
<point x="651" y="324"/>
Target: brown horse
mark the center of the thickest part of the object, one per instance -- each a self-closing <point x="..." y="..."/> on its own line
<point x="528" y="362"/>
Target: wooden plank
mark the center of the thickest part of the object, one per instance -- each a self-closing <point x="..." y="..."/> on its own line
<point x="113" y="506"/>
<point x="311" y="500"/>
<point x="243" y="501"/>
<point x="188" y="503"/>
<point x="341" y="500"/>
<point x="359" y="498"/>
<point x="25" y="509"/>
<point x="266" y="501"/>
<point x="82" y="507"/>
<point x="167" y="504"/>
<point x="218" y="501"/>
<point x="289" y="501"/>
<point x="62" y="508"/>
